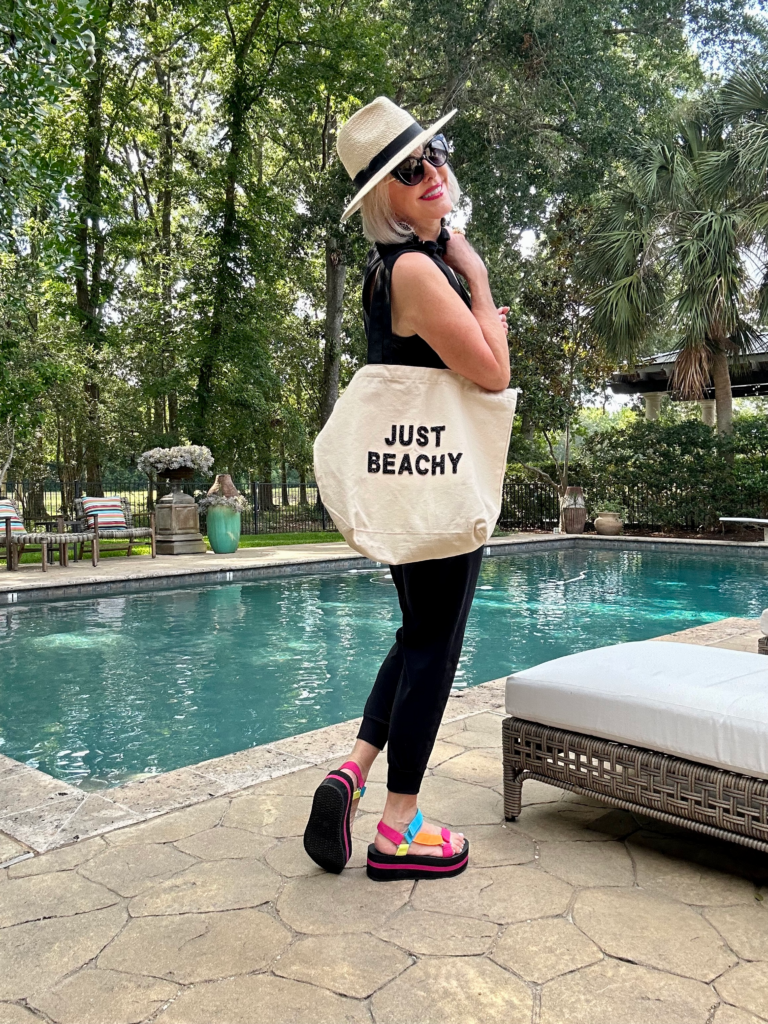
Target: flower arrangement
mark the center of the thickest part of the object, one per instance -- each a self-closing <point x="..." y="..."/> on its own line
<point x="187" y="456"/>
<point x="236" y="502"/>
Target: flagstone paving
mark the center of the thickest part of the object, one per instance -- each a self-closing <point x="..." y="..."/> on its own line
<point x="575" y="914"/>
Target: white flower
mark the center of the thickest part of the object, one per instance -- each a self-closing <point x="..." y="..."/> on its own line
<point x="188" y="456"/>
<point x="237" y="502"/>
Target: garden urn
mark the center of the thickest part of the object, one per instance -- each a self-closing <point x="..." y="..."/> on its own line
<point x="176" y="514"/>
<point x="574" y="511"/>
<point x="178" y="523"/>
<point x="223" y="505"/>
<point x="608" y="524"/>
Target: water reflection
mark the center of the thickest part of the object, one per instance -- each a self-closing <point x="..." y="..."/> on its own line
<point x="98" y="691"/>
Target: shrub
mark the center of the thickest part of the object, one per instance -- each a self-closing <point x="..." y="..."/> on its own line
<point x="677" y="474"/>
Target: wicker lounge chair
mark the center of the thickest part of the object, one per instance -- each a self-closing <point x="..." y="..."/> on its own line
<point x="49" y="541"/>
<point x="15" y="539"/>
<point x="130" y="533"/>
<point x="671" y="731"/>
<point x="16" y="543"/>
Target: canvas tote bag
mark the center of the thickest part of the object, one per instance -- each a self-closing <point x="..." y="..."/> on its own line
<point x="411" y="463"/>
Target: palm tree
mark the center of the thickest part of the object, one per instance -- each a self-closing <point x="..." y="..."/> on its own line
<point x="743" y="107"/>
<point x="672" y="250"/>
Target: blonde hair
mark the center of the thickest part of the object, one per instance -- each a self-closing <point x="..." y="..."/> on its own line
<point x="379" y="221"/>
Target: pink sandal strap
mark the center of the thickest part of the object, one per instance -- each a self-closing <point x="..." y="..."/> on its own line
<point x="355" y="769"/>
<point x="445" y="834"/>
<point x="389" y="833"/>
<point x="402" y="842"/>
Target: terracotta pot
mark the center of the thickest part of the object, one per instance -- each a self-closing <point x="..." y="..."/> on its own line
<point x="608" y="524"/>
<point x="574" y="519"/>
<point x="223" y="486"/>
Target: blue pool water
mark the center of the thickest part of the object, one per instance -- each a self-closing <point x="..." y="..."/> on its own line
<point x="95" y="691"/>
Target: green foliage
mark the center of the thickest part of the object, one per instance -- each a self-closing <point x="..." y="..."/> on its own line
<point x="45" y="48"/>
<point x="677" y="474"/>
<point x="613" y="506"/>
<point x="673" y="247"/>
<point x="169" y="196"/>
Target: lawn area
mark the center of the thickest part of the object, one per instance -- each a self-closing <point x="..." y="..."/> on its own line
<point x="270" y="540"/>
<point x="260" y="540"/>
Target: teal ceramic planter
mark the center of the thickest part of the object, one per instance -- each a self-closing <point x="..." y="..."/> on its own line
<point x="223" y="529"/>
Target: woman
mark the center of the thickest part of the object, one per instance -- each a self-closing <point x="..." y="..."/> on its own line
<point x="417" y="313"/>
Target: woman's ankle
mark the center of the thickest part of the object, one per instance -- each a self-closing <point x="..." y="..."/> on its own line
<point x="400" y="810"/>
<point x="363" y="755"/>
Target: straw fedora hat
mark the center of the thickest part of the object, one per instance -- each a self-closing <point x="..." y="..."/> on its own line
<point x="375" y="140"/>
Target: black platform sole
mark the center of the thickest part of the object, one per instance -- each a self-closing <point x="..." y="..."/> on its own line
<point x="327" y="838"/>
<point x="384" y="867"/>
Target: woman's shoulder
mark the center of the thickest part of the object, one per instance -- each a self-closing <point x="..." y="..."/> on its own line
<point x="418" y="268"/>
<point x="386" y="258"/>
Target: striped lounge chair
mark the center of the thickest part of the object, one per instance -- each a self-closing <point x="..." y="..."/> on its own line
<point x="11" y="528"/>
<point x="111" y="518"/>
<point x="16" y="539"/>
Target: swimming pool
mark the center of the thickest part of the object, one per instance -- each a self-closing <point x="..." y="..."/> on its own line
<point x="97" y="690"/>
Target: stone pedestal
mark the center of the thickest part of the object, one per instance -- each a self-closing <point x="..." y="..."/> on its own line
<point x="653" y="404"/>
<point x="178" y="526"/>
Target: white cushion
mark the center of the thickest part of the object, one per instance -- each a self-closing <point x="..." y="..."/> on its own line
<point x="702" y="703"/>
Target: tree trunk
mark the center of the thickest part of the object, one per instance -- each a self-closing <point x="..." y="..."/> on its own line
<point x="11" y="434"/>
<point x="173" y="414"/>
<point x="238" y="102"/>
<point x="335" y="276"/>
<point x="165" y="203"/>
<point x="721" y="378"/>
<point x="303" y="500"/>
<point x="526" y="425"/>
<point x="159" y="414"/>
<point x="90" y="244"/>
<point x="93" y="443"/>
<point x="284" y="476"/>
<point x="224" y="286"/>
<point x="264" y="473"/>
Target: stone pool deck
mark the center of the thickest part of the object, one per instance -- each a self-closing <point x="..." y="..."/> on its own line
<point x="213" y="914"/>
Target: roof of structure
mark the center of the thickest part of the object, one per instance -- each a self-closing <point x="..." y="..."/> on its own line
<point x="749" y="375"/>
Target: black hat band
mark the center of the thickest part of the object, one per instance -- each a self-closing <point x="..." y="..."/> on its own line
<point x="382" y="159"/>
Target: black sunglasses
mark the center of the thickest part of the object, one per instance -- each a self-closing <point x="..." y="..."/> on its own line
<point x="411" y="170"/>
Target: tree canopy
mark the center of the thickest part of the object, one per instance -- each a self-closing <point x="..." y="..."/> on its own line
<point x="171" y="260"/>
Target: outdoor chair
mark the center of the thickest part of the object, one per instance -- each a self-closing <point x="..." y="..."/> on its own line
<point x="672" y="731"/>
<point x="111" y="518"/>
<point x="16" y="539"/>
<point x="11" y="527"/>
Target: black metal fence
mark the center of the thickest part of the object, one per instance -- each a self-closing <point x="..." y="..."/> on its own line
<point x="528" y="505"/>
<point x="274" y="508"/>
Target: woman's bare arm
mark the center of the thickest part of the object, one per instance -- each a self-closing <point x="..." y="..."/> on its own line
<point x="470" y="342"/>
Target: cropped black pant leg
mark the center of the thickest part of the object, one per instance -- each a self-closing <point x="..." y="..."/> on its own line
<point x="407" y="701"/>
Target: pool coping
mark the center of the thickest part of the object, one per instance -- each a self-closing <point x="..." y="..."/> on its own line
<point x="146" y="576"/>
<point x="39" y="813"/>
<point x="44" y="813"/>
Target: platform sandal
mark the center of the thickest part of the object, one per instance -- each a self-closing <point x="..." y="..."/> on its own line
<point x="387" y="867"/>
<point x="327" y="837"/>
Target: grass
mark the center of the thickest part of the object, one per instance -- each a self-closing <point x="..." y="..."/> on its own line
<point x="260" y="540"/>
<point x="268" y="540"/>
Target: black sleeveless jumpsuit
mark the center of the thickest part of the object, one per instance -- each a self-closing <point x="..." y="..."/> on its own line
<point x="407" y="701"/>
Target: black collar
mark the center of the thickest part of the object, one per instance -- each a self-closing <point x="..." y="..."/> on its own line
<point x="430" y="247"/>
